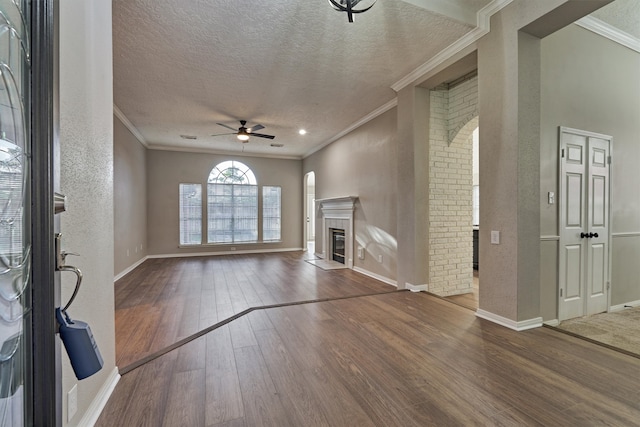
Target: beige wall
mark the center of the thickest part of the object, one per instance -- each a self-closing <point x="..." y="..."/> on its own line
<point x="86" y="151"/>
<point x="363" y="163"/>
<point x="167" y="169"/>
<point x="591" y="83"/>
<point x="130" y="198"/>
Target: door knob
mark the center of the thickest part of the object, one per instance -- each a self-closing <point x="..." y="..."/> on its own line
<point x="583" y="235"/>
<point x="593" y="235"/>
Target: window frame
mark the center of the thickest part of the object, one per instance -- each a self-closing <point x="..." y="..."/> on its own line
<point x="243" y="176"/>
<point x="265" y="217"/>
<point x="180" y="214"/>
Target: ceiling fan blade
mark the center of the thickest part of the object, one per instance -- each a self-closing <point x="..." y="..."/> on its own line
<point x="222" y="134"/>
<point x="255" y="128"/>
<point x="261" y="135"/>
<point x="227" y="126"/>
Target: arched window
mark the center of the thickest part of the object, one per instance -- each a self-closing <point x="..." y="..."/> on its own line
<point x="232" y="204"/>
<point x="232" y="172"/>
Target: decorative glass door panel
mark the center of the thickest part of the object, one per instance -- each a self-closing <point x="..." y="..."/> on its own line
<point x="15" y="221"/>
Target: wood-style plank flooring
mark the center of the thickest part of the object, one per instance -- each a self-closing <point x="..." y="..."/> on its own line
<point x="396" y="359"/>
<point x="165" y="300"/>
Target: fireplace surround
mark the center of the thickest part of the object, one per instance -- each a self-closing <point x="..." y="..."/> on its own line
<point x="337" y="214"/>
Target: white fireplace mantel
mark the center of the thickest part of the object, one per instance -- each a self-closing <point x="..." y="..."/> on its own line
<point x="337" y="212"/>
<point x="333" y="203"/>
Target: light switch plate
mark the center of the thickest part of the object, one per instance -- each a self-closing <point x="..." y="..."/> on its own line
<point x="495" y="237"/>
<point x="552" y="197"/>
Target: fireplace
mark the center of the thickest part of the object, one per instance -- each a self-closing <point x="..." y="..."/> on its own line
<point x="337" y="229"/>
<point x="337" y="249"/>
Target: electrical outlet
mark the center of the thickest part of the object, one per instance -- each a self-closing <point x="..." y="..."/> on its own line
<point x="360" y="252"/>
<point x="127" y="252"/>
<point x="379" y="258"/>
<point x="72" y="402"/>
<point x="495" y="237"/>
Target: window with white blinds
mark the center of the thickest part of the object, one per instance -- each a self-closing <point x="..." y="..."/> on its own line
<point x="232" y="204"/>
<point x="232" y="213"/>
<point x="234" y="210"/>
<point x="190" y="214"/>
<point x="271" y="210"/>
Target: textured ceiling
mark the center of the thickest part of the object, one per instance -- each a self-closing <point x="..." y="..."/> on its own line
<point x="180" y="67"/>
<point x="622" y="14"/>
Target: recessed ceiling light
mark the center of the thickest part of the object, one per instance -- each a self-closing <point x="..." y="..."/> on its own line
<point x="302" y="132"/>
<point x="188" y="137"/>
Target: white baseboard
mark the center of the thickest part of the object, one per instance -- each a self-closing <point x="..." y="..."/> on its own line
<point x="552" y="322"/>
<point x="621" y="307"/>
<point x="375" y="276"/>
<point x="522" y="325"/>
<point x="95" y="409"/>
<point x="417" y="288"/>
<point x="241" y="252"/>
<point x="129" y="269"/>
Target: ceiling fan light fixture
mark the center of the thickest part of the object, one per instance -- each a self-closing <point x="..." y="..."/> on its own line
<point x="348" y="7"/>
<point x="243" y="137"/>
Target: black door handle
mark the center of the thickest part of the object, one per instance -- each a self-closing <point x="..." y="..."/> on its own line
<point x="588" y="235"/>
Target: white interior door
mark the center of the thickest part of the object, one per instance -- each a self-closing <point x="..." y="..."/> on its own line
<point x="311" y="217"/>
<point x="584" y="223"/>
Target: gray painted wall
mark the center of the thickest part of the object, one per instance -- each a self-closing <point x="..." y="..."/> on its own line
<point x="86" y="151"/>
<point x="591" y="83"/>
<point x="167" y="169"/>
<point x="130" y="198"/>
<point x="363" y="163"/>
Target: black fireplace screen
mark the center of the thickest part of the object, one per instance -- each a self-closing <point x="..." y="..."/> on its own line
<point x="337" y="245"/>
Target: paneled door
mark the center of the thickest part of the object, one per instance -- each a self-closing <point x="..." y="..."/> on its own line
<point x="584" y="223"/>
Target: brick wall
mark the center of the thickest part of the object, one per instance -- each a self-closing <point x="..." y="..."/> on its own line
<point x="453" y="118"/>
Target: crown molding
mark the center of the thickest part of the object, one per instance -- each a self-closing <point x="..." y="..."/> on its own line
<point x="372" y="115"/>
<point x="610" y="32"/>
<point x="119" y="114"/>
<point x="219" y="152"/>
<point x="482" y="28"/>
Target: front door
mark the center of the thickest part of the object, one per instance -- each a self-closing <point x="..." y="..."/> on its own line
<point x="15" y="215"/>
<point x="584" y="223"/>
<point x="29" y="358"/>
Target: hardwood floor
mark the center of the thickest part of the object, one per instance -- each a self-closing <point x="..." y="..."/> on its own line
<point x="166" y="300"/>
<point x="396" y="359"/>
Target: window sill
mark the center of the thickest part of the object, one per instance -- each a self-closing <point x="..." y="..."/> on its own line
<point x="228" y="245"/>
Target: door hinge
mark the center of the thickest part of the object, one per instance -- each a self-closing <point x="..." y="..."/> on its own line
<point x="608" y="285"/>
<point x="562" y="155"/>
<point x="560" y="291"/>
<point x="609" y="159"/>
